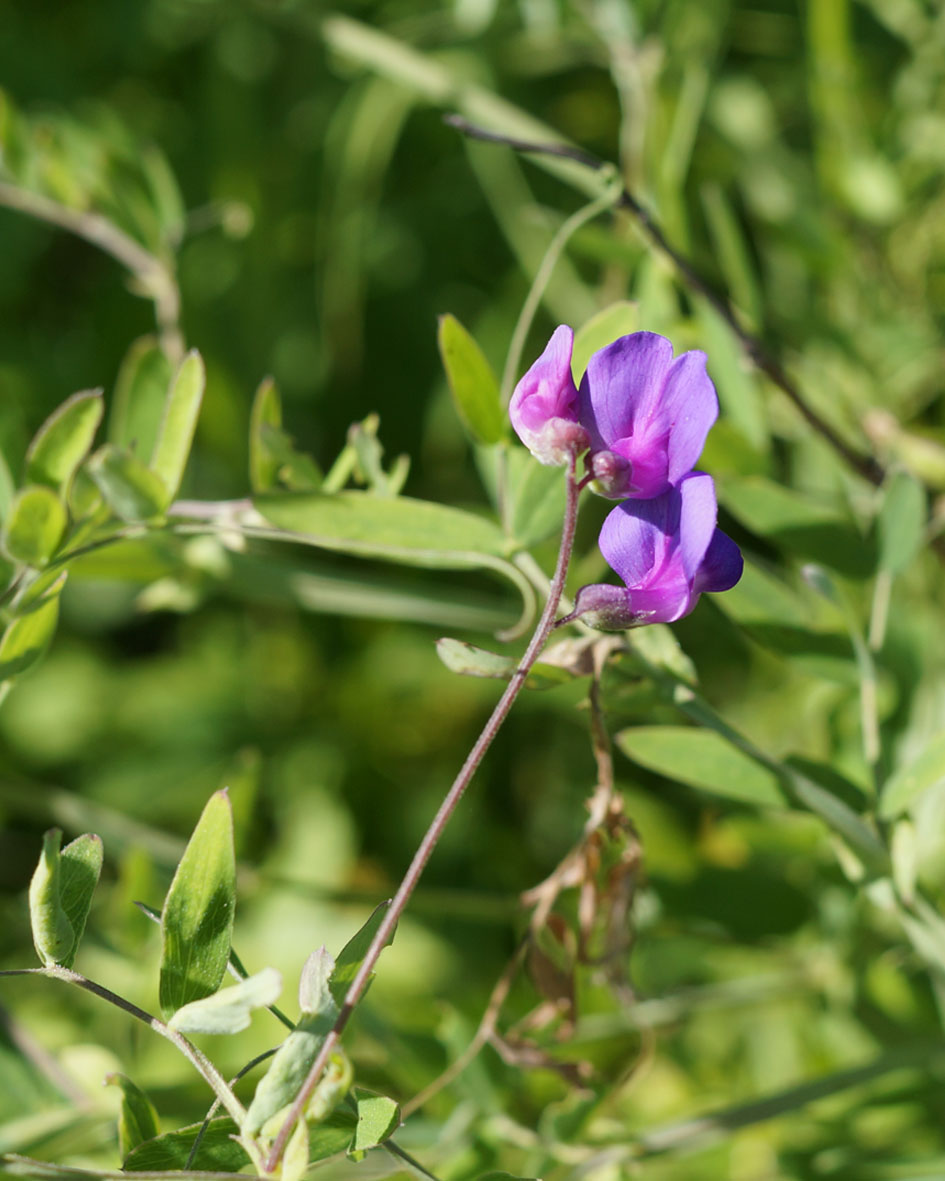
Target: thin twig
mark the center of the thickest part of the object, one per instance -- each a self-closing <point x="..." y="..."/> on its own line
<point x="188" y="1049"/>
<point x="438" y="824"/>
<point x="865" y="465"/>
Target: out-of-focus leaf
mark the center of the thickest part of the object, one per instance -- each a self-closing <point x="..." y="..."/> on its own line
<point x="901" y="523"/>
<point x="166" y="199"/>
<point x="27" y="637"/>
<point x="137" y="1119"/>
<point x="178" y="424"/>
<point x="397" y="528"/>
<point x="908" y="782"/>
<point x="470" y="661"/>
<point x="197" y="919"/>
<point x="140" y="393"/>
<point x="64" y="440"/>
<point x="7" y="488"/>
<point x="266" y="412"/>
<point x="230" y="1009"/>
<point x="472" y="383"/>
<point x="704" y="760"/>
<point x="602" y="329"/>
<point x="53" y="936"/>
<point x="80" y="865"/>
<point x="537" y="495"/>
<point x="217" y="1152"/>
<point x="802" y="526"/>
<point x="904" y="853"/>
<point x="132" y="491"/>
<point x="351" y="956"/>
<point x="34" y="526"/>
<point x="734" y="378"/>
<point x="378" y="1116"/>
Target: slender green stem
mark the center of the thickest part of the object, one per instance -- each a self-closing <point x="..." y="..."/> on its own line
<point x="585" y="214"/>
<point x="188" y="1049"/>
<point x="438" y="824"/>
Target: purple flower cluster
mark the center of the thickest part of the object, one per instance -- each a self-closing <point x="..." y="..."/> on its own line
<point x="642" y="417"/>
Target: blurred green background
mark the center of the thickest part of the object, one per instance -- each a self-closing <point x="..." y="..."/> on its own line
<point x="795" y="152"/>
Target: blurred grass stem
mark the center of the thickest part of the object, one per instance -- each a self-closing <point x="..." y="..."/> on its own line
<point x="440" y="820"/>
<point x="154" y="275"/>
<point x="537" y="290"/>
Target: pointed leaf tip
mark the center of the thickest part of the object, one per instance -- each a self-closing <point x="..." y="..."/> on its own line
<point x="197" y="919"/>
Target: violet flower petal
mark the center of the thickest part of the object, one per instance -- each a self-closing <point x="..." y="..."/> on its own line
<point x="647" y="415"/>
<point x="667" y="550"/>
<point x="691" y="405"/>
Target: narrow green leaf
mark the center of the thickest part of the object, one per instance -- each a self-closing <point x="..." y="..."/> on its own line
<point x="132" y="491"/>
<point x="266" y="412"/>
<point x="909" y="781"/>
<point x="27" y="637"/>
<point x="398" y="528"/>
<point x="472" y="383"/>
<point x="178" y="424"/>
<point x="803" y="526"/>
<point x="904" y="853"/>
<point x="469" y="661"/>
<point x="901" y="523"/>
<point x="64" y="440"/>
<point x="80" y="866"/>
<point x="230" y="1009"/>
<point x="351" y="956"/>
<point x="378" y="1117"/>
<point x="53" y="935"/>
<point x="218" y="1150"/>
<point x="616" y="320"/>
<point x="197" y="920"/>
<point x="537" y="495"/>
<point x="140" y="394"/>
<point x="137" y="1119"/>
<point x="34" y="526"/>
<point x="704" y="760"/>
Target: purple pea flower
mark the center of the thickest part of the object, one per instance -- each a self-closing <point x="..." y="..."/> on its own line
<point x="667" y="550"/>
<point x="544" y="404"/>
<point x="643" y="414"/>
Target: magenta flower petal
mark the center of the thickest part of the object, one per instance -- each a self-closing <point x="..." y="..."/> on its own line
<point x="544" y="405"/>
<point x="668" y="551"/>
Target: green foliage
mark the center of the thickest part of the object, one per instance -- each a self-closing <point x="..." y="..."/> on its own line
<point x="197" y="919"/>
<point x="137" y="1120"/>
<point x="178" y="424"/>
<point x="772" y="851"/>
<point x="472" y="383"/>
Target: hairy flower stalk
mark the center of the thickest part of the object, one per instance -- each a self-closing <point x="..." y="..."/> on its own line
<point x="440" y="820"/>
